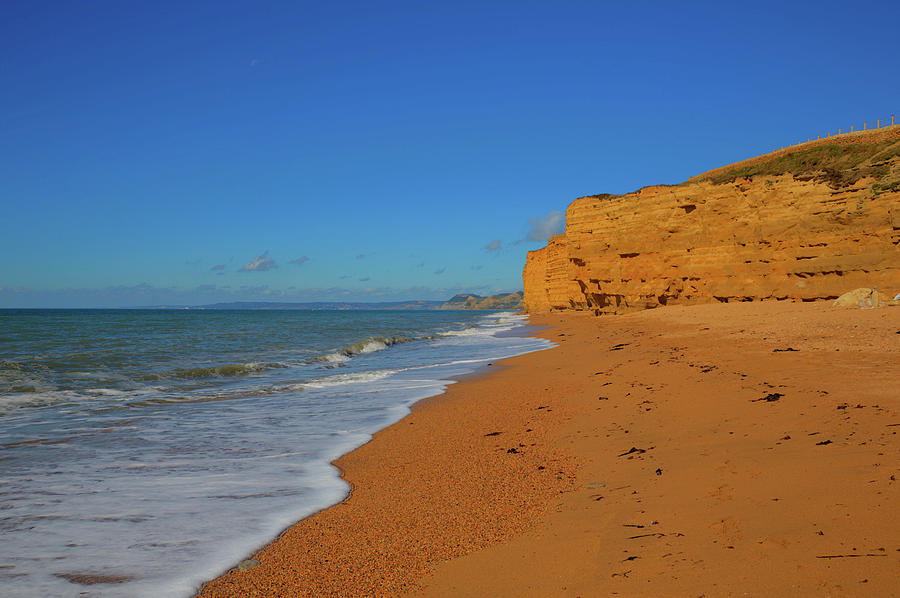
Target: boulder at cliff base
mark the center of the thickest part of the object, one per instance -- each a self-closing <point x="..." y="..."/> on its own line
<point x="862" y="298"/>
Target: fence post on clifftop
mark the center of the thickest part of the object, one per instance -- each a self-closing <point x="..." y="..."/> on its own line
<point x="878" y="126"/>
<point x="892" y="120"/>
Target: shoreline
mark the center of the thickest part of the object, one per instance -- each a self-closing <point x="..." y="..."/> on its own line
<point x="332" y="560"/>
<point x="451" y="501"/>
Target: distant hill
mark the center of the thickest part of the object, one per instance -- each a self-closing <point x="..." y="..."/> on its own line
<point x="470" y="301"/>
<point x="463" y="301"/>
<point x="319" y="305"/>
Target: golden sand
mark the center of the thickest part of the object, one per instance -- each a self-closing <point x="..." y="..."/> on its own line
<point x="723" y="450"/>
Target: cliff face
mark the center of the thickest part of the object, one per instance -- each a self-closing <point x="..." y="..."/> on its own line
<point x="807" y="223"/>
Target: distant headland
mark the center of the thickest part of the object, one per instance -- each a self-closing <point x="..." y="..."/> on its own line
<point x="466" y="301"/>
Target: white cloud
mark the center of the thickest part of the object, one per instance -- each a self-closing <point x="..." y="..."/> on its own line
<point x="493" y="245"/>
<point x="440" y="271"/>
<point x="542" y="228"/>
<point x="300" y="260"/>
<point x="218" y="267"/>
<point x="260" y="263"/>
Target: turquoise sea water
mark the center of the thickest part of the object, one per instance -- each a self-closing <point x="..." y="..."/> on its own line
<point x="155" y="449"/>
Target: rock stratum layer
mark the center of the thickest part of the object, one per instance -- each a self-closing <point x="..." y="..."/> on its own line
<point x="805" y="223"/>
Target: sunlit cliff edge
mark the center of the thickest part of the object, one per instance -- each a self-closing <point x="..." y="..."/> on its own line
<point x="806" y="223"/>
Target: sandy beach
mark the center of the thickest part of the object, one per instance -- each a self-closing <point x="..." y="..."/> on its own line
<point x="742" y="449"/>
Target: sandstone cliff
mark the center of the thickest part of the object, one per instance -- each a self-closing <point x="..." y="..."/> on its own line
<point x="806" y="223"/>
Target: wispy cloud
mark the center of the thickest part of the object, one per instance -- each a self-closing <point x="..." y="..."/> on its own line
<point x="217" y="267"/>
<point x="299" y="261"/>
<point x="476" y="268"/>
<point x="260" y="263"/>
<point x="420" y="265"/>
<point x="440" y="271"/>
<point x="494" y="245"/>
<point x="365" y="279"/>
<point x="360" y="256"/>
<point x="544" y="227"/>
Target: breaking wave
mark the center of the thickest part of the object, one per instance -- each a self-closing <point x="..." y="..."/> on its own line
<point x="224" y="371"/>
<point x="343" y="379"/>
<point x="467" y="331"/>
<point x="370" y="345"/>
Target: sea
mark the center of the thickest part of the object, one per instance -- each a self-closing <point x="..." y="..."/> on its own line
<point x="143" y="452"/>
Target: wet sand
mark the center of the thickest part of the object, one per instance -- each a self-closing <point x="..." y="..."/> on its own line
<point x="724" y="450"/>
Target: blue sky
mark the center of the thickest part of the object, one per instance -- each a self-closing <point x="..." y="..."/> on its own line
<point x="193" y="152"/>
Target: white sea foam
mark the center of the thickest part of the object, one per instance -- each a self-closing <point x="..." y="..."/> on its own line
<point x="108" y="392"/>
<point x="176" y="482"/>
<point x="12" y="402"/>
<point x="372" y="345"/>
<point x="335" y="358"/>
<point x="490" y="325"/>
<point x="467" y="332"/>
<point x="344" y="379"/>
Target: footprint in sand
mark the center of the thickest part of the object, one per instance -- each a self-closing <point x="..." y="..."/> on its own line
<point x="727" y="531"/>
<point x="723" y="492"/>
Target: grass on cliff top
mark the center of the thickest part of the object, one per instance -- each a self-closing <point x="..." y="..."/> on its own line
<point x="837" y="165"/>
